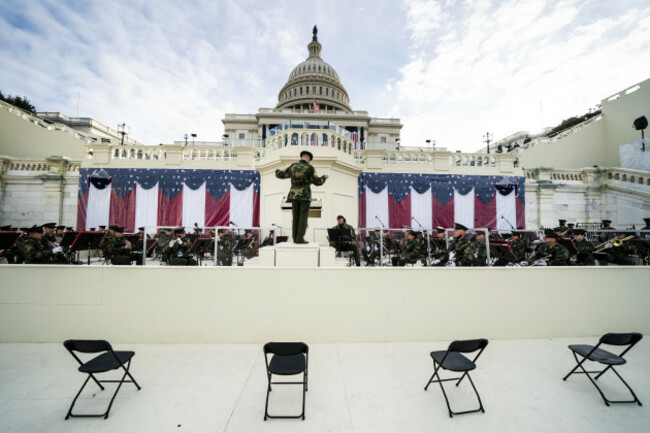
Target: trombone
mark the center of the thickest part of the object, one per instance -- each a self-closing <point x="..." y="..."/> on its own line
<point x="612" y="243"/>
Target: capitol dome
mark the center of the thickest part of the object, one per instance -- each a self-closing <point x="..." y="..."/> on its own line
<point x="314" y="80"/>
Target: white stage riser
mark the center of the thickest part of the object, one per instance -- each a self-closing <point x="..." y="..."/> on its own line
<point x="235" y="305"/>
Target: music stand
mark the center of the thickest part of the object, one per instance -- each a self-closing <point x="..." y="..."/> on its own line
<point x="199" y="247"/>
<point x="8" y="240"/>
<point x="241" y="244"/>
<point x="87" y="241"/>
<point x="341" y="237"/>
<point x="503" y="251"/>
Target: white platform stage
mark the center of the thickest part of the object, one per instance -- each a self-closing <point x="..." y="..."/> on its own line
<point x="320" y="305"/>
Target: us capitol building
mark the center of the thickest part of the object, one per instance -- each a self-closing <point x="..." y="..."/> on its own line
<point x="592" y="171"/>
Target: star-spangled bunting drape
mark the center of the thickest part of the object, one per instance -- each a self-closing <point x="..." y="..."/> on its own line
<point x="395" y="200"/>
<point x="167" y="197"/>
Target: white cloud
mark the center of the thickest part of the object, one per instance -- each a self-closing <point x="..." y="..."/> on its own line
<point x="502" y="63"/>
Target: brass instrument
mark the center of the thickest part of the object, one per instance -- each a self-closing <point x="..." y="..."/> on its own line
<point x="612" y="243"/>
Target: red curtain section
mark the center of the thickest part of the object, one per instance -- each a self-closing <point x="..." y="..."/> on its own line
<point x="521" y="213"/>
<point x="362" y="210"/>
<point x="256" y="209"/>
<point x="217" y="212"/>
<point x="485" y="214"/>
<point x="443" y="215"/>
<point x="399" y="214"/>
<point x="170" y="212"/>
<point x="82" y="211"/>
<point x="122" y="211"/>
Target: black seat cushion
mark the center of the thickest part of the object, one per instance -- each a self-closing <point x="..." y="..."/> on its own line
<point x="287" y="365"/>
<point x="599" y="355"/>
<point x="454" y="361"/>
<point x="106" y="362"/>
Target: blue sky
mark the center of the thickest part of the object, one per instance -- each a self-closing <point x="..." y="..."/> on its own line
<point x="451" y="70"/>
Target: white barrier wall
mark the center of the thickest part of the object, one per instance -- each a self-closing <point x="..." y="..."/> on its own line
<point x="235" y="305"/>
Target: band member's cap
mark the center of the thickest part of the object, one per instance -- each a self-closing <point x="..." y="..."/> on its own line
<point x="460" y="227"/>
<point x="49" y="225"/>
<point x="561" y="221"/>
<point x="35" y="229"/>
<point x="109" y="227"/>
<point x="340" y="217"/>
<point x="647" y="220"/>
<point x="60" y="227"/>
<point x="306" y="152"/>
<point x="607" y="221"/>
<point x="412" y="233"/>
<point x="69" y="229"/>
<point x="579" y="232"/>
<point x="118" y="229"/>
<point x="5" y="228"/>
<point x="179" y="230"/>
<point x="141" y="228"/>
<point x="440" y="229"/>
<point x="92" y="229"/>
<point x="516" y="233"/>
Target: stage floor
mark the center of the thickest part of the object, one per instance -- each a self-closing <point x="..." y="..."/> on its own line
<point x="357" y="388"/>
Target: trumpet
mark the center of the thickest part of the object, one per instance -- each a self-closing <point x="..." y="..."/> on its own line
<point x="612" y="243"/>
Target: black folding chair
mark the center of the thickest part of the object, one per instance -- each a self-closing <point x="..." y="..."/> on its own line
<point x="287" y="359"/>
<point x="107" y="361"/>
<point x="453" y="360"/>
<point x="596" y="354"/>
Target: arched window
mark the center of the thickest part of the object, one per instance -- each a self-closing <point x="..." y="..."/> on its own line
<point x="314" y="139"/>
<point x="324" y="139"/>
<point x="301" y="90"/>
<point x="294" y="139"/>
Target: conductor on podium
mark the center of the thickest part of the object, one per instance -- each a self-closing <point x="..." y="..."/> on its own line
<point x="302" y="175"/>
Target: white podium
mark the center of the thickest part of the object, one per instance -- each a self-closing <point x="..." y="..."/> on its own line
<point x="290" y="255"/>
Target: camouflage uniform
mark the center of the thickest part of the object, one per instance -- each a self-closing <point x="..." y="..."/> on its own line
<point x="464" y="251"/>
<point x="352" y="245"/>
<point x="585" y="253"/>
<point x="518" y="247"/>
<point x="116" y="250"/>
<point x="440" y="252"/>
<point x="559" y="254"/>
<point x="178" y="252"/>
<point x="411" y="253"/>
<point x="302" y="175"/>
<point x="480" y="256"/>
<point x="224" y="255"/>
<point x="34" y="250"/>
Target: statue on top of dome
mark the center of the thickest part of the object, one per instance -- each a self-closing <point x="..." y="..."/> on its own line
<point x="315" y="31"/>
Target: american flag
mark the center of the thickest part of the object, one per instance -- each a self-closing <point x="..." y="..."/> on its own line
<point x="169" y="186"/>
<point x="438" y="192"/>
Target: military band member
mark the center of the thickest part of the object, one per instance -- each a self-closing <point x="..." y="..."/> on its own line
<point x="411" y="250"/>
<point x="224" y="254"/>
<point x="585" y="249"/>
<point x="606" y="234"/>
<point x="351" y="244"/>
<point x="34" y="249"/>
<point x="462" y="248"/>
<point x="49" y="233"/>
<point x="646" y="235"/>
<point x="480" y="256"/>
<point x="117" y="248"/>
<point x="302" y="175"/>
<point x="372" y="251"/>
<point x="177" y="249"/>
<point x="557" y="254"/>
<point x="518" y="246"/>
<point x="439" y="251"/>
